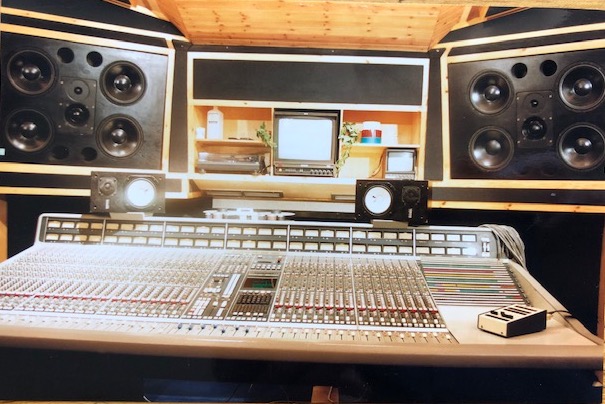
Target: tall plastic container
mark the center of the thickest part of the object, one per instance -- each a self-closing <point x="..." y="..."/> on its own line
<point x="214" y="124"/>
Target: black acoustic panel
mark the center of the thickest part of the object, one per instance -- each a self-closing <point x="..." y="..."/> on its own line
<point x="179" y="144"/>
<point x="356" y="83"/>
<point x="533" y="117"/>
<point x="572" y="197"/>
<point x="433" y="165"/>
<point x="81" y="105"/>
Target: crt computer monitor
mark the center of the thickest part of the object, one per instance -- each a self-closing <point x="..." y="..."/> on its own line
<point x="306" y="138"/>
<point x="400" y="163"/>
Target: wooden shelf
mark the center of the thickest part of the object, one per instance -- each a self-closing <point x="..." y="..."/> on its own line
<point x="231" y="142"/>
<point x="288" y="187"/>
<point x="385" y="146"/>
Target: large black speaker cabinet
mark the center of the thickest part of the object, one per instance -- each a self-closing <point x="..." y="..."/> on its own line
<point x="80" y="104"/>
<point x="532" y="117"/>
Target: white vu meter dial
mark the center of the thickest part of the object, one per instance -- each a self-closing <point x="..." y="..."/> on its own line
<point x="140" y="193"/>
<point x="378" y="199"/>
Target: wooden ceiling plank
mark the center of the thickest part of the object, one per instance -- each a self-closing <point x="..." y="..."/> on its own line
<point x="406" y="25"/>
<point x="449" y="16"/>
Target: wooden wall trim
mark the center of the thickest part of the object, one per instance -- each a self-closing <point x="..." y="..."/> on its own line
<point x="65" y="170"/>
<point x="515" y="206"/>
<point x="3" y="228"/>
<point x="601" y="308"/>
<point x="595" y="185"/>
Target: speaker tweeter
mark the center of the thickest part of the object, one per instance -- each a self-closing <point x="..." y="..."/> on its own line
<point x="534" y="119"/>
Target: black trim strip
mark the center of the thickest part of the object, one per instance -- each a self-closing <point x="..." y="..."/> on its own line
<point x="179" y="142"/>
<point x="540" y="196"/>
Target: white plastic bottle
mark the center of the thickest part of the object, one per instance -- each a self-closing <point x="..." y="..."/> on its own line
<point x="214" y="124"/>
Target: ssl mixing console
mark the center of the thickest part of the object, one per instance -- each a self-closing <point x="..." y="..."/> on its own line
<point x="279" y="290"/>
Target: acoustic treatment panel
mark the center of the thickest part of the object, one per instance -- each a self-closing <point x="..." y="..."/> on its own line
<point x="528" y="118"/>
<point x="79" y="104"/>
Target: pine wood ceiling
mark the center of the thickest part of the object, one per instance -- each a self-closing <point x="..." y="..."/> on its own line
<point x="403" y="25"/>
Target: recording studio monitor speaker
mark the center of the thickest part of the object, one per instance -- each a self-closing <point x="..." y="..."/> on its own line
<point x="530" y="117"/>
<point x="79" y="104"/>
<point x="391" y="199"/>
<point x="119" y="192"/>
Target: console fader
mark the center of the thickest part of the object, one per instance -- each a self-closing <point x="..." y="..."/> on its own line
<point x="275" y="290"/>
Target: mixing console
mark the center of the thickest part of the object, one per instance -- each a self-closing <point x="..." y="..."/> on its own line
<point x="295" y="290"/>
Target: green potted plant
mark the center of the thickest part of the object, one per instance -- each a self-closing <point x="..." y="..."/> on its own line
<point x="348" y="135"/>
<point x="265" y="136"/>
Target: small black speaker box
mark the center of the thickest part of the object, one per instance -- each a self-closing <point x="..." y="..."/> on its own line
<point x="390" y="199"/>
<point x="116" y="192"/>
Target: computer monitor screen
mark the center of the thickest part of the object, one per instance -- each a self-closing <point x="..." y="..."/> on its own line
<point x="400" y="160"/>
<point x="306" y="137"/>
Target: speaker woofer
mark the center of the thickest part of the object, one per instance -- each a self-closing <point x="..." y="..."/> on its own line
<point x="31" y="72"/>
<point x="123" y="83"/>
<point x="28" y="130"/>
<point x="119" y="136"/>
<point x="582" y="146"/>
<point x="582" y="87"/>
<point x="490" y="93"/>
<point x="491" y="148"/>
